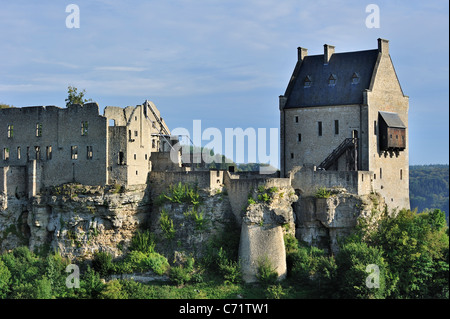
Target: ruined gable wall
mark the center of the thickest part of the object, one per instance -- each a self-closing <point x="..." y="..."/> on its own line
<point x="60" y="129"/>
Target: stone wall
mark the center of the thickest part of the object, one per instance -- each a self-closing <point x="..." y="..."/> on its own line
<point x="49" y="134"/>
<point x="239" y="186"/>
<point x="307" y="179"/>
<point x="311" y="147"/>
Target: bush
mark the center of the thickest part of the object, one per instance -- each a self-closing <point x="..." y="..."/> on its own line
<point x="323" y="192"/>
<point x="5" y="280"/>
<point x="179" y="275"/>
<point x="266" y="273"/>
<point x="274" y="292"/>
<point x="113" y="290"/>
<point x="102" y="263"/>
<point x="361" y="271"/>
<point x="157" y="263"/>
<point x="229" y="269"/>
<point x="143" y="242"/>
<point x="166" y="224"/>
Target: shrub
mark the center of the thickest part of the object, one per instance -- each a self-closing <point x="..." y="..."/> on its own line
<point x="323" y="192"/>
<point x="166" y="224"/>
<point x="5" y="279"/>
<point x="113" y="290"/>
<point x="102" y="263"/>
<point x="179" y="275"/>
<point x="266" y="273"/>
<point x="143" y="242"/>
<point x="353" y="261"/>
<point x="181" y="194"/>
<point x="197" y="217"/>
<point x="229" y="269"/>
<point x="274" y="292"/>
<point x="157" y="263"/>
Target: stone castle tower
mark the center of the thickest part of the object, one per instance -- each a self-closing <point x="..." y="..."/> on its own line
<point x="347" y="112"/>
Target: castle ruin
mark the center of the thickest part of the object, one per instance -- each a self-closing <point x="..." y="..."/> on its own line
<point x="343" y="121"/>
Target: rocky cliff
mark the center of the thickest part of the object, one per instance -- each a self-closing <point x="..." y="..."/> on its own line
<point x="74" y="219"/>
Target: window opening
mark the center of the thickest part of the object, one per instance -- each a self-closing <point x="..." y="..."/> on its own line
<point x="84" y="128"/>
<point x="38" y="129"/>
<point x="74" y="152"/>
<point x="89" y="152"/>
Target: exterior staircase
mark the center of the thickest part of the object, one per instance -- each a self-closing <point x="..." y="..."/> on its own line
<point x="337" y="152"/>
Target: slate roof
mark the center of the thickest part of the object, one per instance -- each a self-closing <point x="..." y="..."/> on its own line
<point x="392" y="119"/>
<point x="342" y="66"/>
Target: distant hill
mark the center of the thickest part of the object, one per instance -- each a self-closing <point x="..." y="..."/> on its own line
<point x="428" y="187"/>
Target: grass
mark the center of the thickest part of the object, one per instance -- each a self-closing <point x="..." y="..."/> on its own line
<point x="213" y="287"/>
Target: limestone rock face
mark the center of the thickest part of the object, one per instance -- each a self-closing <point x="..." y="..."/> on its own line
<point x="76" y="223"/>
<point x="321" y="221"/>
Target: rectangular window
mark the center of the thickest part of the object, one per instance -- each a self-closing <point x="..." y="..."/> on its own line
<point x="38" y="129"/>
<point x="135" y="133"/>
<point x="146" y="156"/>
<point x="18" y="152"/>
<point x="381" y="173"/>
<point x="296" y="119"/>
<point x="153" y="143"/>
<point x="319" y="124"/>
<point x="37" y="151"/>
<point x="299" y="138"/>
<point x="74" y="152"/>
<point x="10" y="131"/>
<point x="49" y="152"/>
<point x="89" y="152"/>
<point x="6" y="154"/>
<point x="84" y="128"/>
<point x="134" y="156"/>
<point x="292" y="155"/>
<point x="401" y="174"/>
<point x="336" y="127"/>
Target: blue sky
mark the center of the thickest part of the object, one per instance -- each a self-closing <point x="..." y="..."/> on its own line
<point x="224" y="62"/>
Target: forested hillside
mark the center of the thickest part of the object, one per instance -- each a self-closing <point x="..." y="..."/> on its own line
<point x="428" y="187"/>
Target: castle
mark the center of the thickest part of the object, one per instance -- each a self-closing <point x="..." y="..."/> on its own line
<point x="343" y="126"/>
<point x="347" y="112"/>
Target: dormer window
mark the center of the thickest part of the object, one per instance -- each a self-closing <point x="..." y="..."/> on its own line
<point x="355" y="78"/>
<point x="332" y="80"/>
<point x="307" y="82"/>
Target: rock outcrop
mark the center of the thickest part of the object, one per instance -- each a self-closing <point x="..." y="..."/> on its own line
<point x="75" y="220"/>
<point x="268" y="216"/>
<point x="322" y="221"/>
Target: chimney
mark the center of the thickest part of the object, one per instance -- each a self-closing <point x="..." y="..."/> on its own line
<point x="383" y="46"/>
<point x="328" y="52"/>
<point x="302" y="52"/>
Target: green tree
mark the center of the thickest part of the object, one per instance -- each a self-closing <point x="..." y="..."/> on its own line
<point x="416" y="249"/>
<point x="5" y="106"/>
<point x="75" y="97"/>
<point x="361" y="271"/>
<point x="5" y="280"/>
